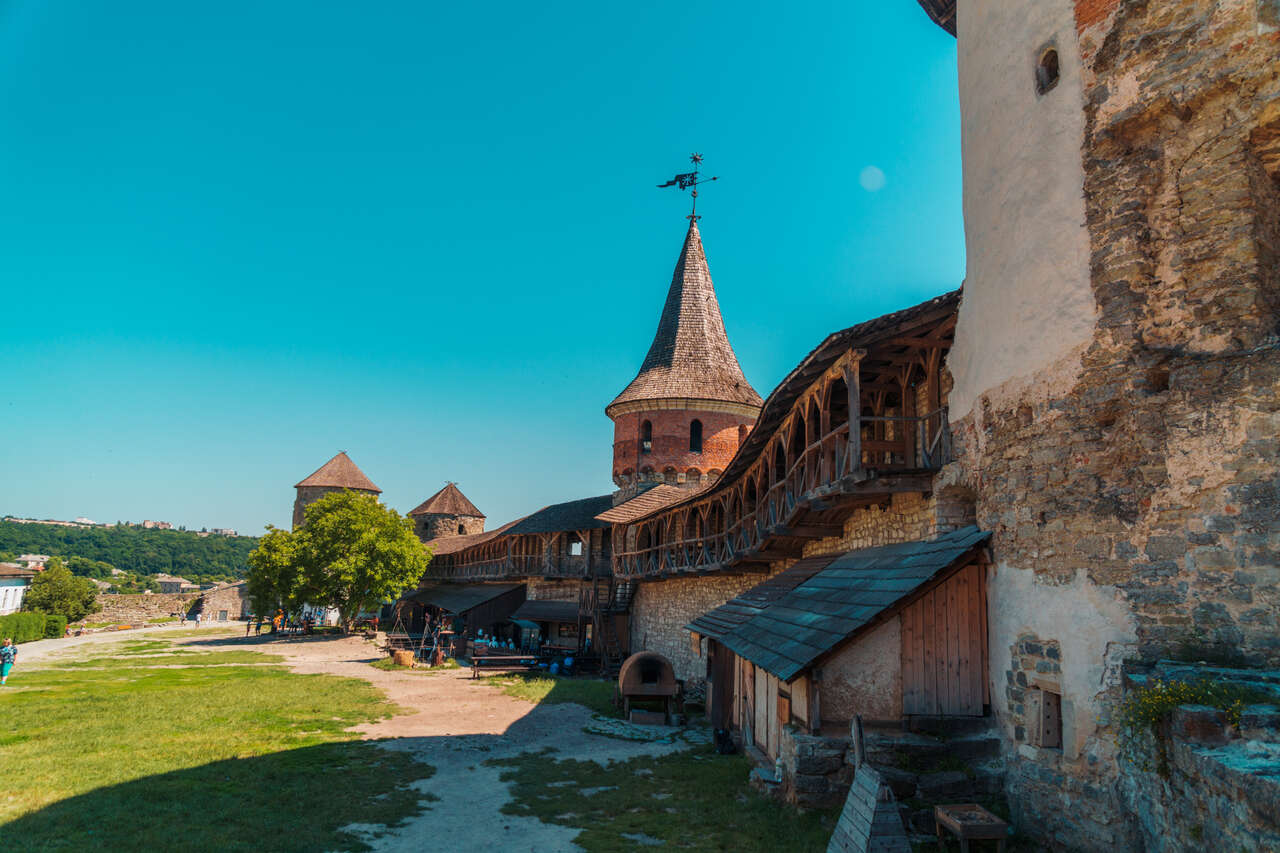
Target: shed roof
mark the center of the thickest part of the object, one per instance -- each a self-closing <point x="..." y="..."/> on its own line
<point x="721" y="621"/>
<point x="13" y="570"/>
<point x="547" y="611"/>
<point x="459" y="598"/>
<point x="448" y="501"/>
<point x="690" y="357"/>
<point x="820" y="613"/>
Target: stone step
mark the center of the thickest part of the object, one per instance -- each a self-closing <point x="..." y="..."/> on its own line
<point x="922" y="753"/>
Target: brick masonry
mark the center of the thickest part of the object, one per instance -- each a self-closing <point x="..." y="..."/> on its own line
<point x="669" y="459"/>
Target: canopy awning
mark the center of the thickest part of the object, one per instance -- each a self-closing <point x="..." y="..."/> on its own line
<point x="548" y="611"/>
<point x="458" y="597"/>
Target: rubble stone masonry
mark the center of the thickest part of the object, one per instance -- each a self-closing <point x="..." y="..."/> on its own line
<point x="1132" y="488"/>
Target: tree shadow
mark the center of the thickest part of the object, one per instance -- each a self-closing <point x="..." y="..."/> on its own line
<point x="294" y="800"/>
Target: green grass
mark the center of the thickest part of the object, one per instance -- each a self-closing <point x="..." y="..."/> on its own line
<point x="240" y="758"/>
<point x="694" y="800"/>
<point x="549" y="689"/>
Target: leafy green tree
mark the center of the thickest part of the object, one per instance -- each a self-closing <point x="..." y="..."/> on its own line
<point x="351" y="553"/>
<point x="86" y="568"/>
<point x="56" y="590"/>
<point x="275" y="574"/>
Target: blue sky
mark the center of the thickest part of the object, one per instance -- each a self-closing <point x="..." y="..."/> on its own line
<point x="236" y="238"/>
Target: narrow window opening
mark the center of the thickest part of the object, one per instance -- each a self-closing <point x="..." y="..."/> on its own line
<point x="1047" y="71"/>
<point x="695" y="437"/>
<point x="646" y="437"/>
<point x="461" y="530"/>
<point x="1044" y="718"/>
<point x="575" y="547"/>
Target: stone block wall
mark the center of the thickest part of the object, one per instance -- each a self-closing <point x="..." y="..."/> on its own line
<point x="816" y="770"/>
<point x="136" y="609"/>
<point x="1131" y="487"/>
<point x="232" y="598"/>
<point x="662" y="608"/>
<point x="553" y="590"/>
<point x="436" y="525"/>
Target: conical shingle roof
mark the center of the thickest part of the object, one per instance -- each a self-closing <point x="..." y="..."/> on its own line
<point x="340" y="473"/>
<point x="690" y="357"/>
<point x="448" y="501"/>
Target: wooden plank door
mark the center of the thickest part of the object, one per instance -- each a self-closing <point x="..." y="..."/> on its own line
<point x="944" y="648"/>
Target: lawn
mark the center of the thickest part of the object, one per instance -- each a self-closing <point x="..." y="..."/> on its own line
<point x="694" y="800"/>
<point x="537" y="688"/>
<point x="144" y="750"/>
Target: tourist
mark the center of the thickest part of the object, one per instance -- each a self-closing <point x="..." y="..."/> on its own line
<point x="8" y="656"/>
<point x="247" y="626"/>
<point x="197" y="620"/>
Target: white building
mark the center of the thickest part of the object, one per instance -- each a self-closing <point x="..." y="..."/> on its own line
<point x="14" y="581"/>
<point x="34" y="562"/>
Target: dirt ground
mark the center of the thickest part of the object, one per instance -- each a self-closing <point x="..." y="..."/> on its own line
<point x="453" y="723"/>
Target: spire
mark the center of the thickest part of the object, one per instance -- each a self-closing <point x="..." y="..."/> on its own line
<point x="690" y="357"/>
<point x="340" y="473"/>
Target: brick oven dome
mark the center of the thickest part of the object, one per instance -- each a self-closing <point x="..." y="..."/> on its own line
<point x="690" y="357"/>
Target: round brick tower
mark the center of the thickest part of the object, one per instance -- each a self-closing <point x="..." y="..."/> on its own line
<point x="682" y="418"/>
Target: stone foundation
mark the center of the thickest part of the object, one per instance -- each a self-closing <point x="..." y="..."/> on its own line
<point x="135" y="609"/>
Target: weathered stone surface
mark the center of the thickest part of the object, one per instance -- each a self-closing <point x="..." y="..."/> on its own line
<point x="1199" y="724"/>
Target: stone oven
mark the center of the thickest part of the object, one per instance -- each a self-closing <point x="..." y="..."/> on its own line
<point x="647" y="676"/>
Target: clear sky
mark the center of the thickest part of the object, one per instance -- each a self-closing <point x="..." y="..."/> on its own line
<point x="236" y="238"/>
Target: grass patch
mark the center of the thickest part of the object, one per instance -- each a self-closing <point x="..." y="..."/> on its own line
<point x="695" y="800"/>
<point x="241" y="758"/>
<point x="549" y="689"/>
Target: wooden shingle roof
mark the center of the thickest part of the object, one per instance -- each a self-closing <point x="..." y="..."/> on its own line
<point x="448" y="501"/>
<point x="690" y="357"/>
<point x="792" y="631"/>
<point x="569" y="516"/>
<point x="942" y="12"/>
<point x="458" y="597"/>
<point x="340" y="473"/>
<point x="644" y="503"/>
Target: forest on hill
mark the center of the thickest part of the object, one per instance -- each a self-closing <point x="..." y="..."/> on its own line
<point x="198" y="558"/>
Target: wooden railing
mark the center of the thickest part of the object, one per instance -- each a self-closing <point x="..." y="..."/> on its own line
<point x="882" y="446"/>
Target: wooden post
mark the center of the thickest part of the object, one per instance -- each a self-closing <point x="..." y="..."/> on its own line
<point x="853" y="382"/>
<point x="908" y="411"/>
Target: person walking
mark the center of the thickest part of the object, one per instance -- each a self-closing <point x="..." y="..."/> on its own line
<point x="8" y="657"/>
<point x="247" y="625"/>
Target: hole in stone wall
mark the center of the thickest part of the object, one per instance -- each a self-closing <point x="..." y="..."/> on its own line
<point x="1046" y="71"/>
<point x="695" y="436"/>
<point x="646" y="437"/>
<point x="1044" y="719"/>
<point x="1157" y="380"/>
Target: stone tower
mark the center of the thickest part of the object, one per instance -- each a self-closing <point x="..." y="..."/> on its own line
<point x="681" y="419"/>
<point x="335" y="475"/>
<point x="446" y="513"/>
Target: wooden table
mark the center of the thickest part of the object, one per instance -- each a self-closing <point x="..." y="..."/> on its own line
<point x="969" y="822"/>
<point x="508" y="662"/>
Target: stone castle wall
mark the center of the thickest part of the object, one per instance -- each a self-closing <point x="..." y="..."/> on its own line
<point x="1131" y="485"/>
<point x="439" y="525"/>
<point x="134" y="609"/>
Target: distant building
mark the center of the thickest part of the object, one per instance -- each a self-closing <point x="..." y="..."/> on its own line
<point x="225" y="602"/>
<point x="446" y="513"/>
<point x="89" y="522"/>
<point x="34" y="562"/>
<point x="172" y="583"/>
<point x="14" y="581"/>
<point x="222" y="531"/>
<point x="157" y="525"/>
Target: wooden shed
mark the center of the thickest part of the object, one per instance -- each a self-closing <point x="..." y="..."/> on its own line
<point x="472" y="607"/>
<point x="887" y="633"/>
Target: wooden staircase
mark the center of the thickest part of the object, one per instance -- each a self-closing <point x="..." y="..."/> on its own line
<point x="603" y="600"/>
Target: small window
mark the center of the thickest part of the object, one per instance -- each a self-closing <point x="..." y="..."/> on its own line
<point x="1046" y="71"/>
<point x="575" y="548"/>
<point x="695" y="437"/>
<point x="646" y="437"/>
<point x="1044" y="718"/>
<point x="461" y="529"/>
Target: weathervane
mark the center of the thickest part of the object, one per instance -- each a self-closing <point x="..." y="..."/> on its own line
<point x="690" y="179"/>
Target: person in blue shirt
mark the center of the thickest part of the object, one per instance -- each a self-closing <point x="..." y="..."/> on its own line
<point x="8" y="656"/>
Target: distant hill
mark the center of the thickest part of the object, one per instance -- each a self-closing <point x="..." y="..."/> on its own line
<point x="133" y="549"/>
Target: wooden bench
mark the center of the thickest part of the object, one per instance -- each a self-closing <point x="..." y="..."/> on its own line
<point x="969" y="822"/>
<point x="506" y="663"/>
